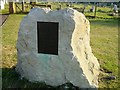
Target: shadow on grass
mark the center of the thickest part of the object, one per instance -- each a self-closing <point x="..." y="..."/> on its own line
<point x="11" y="79"/>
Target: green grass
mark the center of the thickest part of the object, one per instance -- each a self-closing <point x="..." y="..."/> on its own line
<point x="104" y="43"/>
<point x="9" y="35"/>
<point x="6" y="10"/>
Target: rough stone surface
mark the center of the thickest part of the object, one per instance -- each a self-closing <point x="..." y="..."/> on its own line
<point x="75" y="62"/>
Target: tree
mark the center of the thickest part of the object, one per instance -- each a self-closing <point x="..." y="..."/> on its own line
<point x="12" y="8"/>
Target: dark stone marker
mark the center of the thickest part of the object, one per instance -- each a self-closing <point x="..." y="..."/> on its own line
<point x="47" y="37"/>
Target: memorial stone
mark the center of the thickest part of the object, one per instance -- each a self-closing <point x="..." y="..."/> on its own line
<point x="54" y="47"/>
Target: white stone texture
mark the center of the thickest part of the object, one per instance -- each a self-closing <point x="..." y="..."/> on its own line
<point x="75" y="62"/>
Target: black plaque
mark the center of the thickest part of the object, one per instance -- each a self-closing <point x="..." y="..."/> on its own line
<point x="47" y="37"/>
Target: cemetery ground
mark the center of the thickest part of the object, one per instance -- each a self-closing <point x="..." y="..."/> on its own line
<point x="104" y="43"/>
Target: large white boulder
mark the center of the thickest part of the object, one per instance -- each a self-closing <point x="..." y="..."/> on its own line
<point x="75" y="62"/>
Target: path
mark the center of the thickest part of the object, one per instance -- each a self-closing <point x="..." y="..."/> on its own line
<point x="2" y="19"/>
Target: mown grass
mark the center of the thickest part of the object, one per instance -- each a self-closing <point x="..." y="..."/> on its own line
<point x="104" y="43"/>
<point x="9" y="33"/>
<point x="6" y="10"/>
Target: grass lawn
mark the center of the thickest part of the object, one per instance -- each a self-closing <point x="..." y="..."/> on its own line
<point x="6" y="10"/>
<point x="104" y="43"/>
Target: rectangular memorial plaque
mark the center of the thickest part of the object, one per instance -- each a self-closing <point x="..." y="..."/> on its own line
<point x="47" y="35"/>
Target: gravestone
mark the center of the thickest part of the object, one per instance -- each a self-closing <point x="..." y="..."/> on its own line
<point x="54" y="47"/>
<point x="115" y="9"/>
<point x="92" y="9"/>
